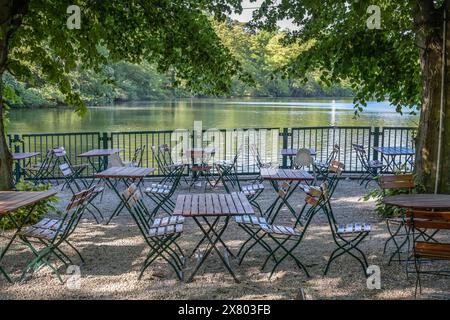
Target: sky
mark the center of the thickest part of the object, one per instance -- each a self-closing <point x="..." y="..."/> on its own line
<point x="249" y="7"/>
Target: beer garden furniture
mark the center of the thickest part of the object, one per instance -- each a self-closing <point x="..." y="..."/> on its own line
<point x="391" y="157"/>
<point x="284" y="183"/>
<point x="102" y="156"/>
<point x="199" y="164"/>
<point x="11" y="201"/>
<point x="23" y="160"/>
<point x="127" y="175"/>
<point x="45" y="237"/>
<point x="371" y="168"/>
<point x="212" y="213"/>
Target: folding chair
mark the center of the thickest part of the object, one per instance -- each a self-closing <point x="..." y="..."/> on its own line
<point x="40" y="171"/>
<point x="136" y="161"/>
<point x="160" y="234"/>
<point x="50" y="234"/>
<point x="304" y="160"/>
<point x="75" y="183"/>
<point x="401" y="183"/>
<point x="252" y="224"/>
<point x="347" y="237"/>
<point x="160" y="193"/>
<point x="372" y="168"/>
<point x="164" y="159"/>
<point x="230" y="180"/>
<point x="321" y="167"/>
<point x="427" y="250"/>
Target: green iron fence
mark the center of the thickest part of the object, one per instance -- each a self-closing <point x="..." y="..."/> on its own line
<point x="227" y="142"/>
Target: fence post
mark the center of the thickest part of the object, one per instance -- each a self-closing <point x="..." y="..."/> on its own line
<point x="15" y="141"/>
<point x="104" y="138"/>
<point x="376" y="141"/>
<point x="285" y="145"/>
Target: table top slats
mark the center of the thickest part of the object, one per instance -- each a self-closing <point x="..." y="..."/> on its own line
<point x="395" y="151"/>
<point x="237" y="203"/>
<point x="285" y="174"/>
<point x="212" y="204"/>
<point x="179" y="205"/>
<point x="124" y="173"/>
<point x="224" y="204"/>
<point x="12" y="200"/>
<point x="99" y="153"/>
<point x="24" y="155"/>
<point x="245" y="204"/>
<point x="420" y="201"/>
<point x="187" y="205"/>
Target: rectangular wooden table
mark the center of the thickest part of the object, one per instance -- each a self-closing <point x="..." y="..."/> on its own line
<point x="102" y="154"/>
<point x="20" y="158"/>
<point x="390" y="155"/>
<point x="11" y="201"/>
<point x="284" y="183"/>
<point x="127" y="175"/>
<point x="212" y="212"/>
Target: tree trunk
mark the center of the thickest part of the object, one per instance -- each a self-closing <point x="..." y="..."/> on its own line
<point x="5" y="155"/>
<point x="429" y="34"/>
<point x="11" y="16"/>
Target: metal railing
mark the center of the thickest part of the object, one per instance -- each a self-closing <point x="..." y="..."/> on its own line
<point x="227" y="142"/>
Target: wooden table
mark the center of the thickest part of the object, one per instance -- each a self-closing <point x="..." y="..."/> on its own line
<point x="421" y="201"/>
<point x="11" y="201"/>
<point x="284" y="183"/>
<point x="212" y="212"/>
<point x="21" y="157"/>
<point x="102" y="154"/>
<point x="390" y="155"/>
<point x="127" y="175"/>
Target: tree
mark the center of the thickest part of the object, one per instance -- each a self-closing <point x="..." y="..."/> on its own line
<point x="401" y="61"/>
<point x="173" y="34"/>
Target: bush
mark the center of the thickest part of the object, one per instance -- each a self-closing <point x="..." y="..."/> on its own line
<point x="41" y="209"/>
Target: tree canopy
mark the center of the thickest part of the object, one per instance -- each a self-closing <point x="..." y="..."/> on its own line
<point x="378" y="63"/>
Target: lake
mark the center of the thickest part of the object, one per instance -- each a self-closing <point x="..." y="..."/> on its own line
<point x="214" y="113"/>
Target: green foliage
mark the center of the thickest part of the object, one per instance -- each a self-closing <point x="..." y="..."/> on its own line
<point x="175" y="34"/>
<point x="40" y="210"/>
<point x="376" y="63"/>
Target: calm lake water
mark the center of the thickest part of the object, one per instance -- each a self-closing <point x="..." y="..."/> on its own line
<point x="214" y="113"/>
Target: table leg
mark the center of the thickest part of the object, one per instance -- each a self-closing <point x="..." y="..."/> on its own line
<point x="271" y="213"/>
<point x="213" y="240"/>
<point x="13" y="238"/>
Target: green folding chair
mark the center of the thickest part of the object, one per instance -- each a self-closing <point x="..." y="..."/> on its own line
<point x="159" y="234"/>
<point x="321" y="167"/>
<point x="161" y="193"/>
<point x="75" y="183"/>
<point x="51" y="234"/>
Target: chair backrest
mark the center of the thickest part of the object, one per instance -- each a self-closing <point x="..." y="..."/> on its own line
<point x="138" y="154"/>
<point x="303" y="158"/>
<point x="255" y="153"/>
<point x="361" y="154"/>
<point x="429" y="220"/>
<point x="65" y="169"/>
<point x="332" y="156"/>
<point x="401" y="181"/>
<point x="74" y="212"/>
<point x="114" y="160"/>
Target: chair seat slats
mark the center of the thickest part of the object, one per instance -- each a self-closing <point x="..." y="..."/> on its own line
<point x="252" y="220"/>
<point x="354" y="228"/>
<point x="161" y="222"/>
<point x="165" y="230"/>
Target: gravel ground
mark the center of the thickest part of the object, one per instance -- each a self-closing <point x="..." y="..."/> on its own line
<point x="114" y="254"/>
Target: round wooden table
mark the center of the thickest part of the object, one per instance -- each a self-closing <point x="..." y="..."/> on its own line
<point x="420" y="201"/>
